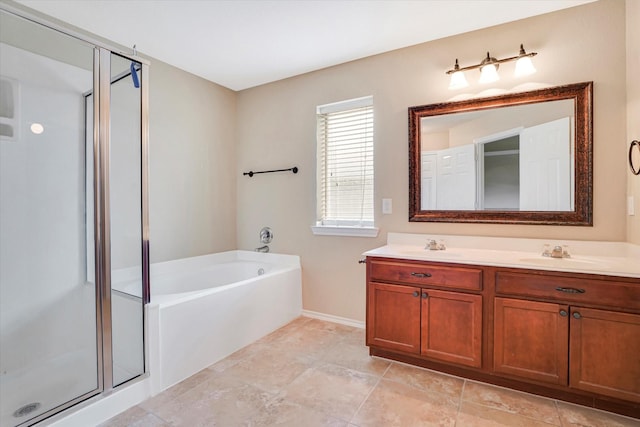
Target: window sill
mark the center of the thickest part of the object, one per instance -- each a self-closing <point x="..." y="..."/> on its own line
<point x="325" y="230"/>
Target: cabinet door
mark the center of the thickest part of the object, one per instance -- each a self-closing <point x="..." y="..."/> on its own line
<point x="605" y="353"/>
<point x="452" y="327"/>
<point x="393" y="317"/>
<point x="531" y="340"/>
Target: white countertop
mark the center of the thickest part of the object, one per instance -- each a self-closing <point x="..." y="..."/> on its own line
<point x="606" y="258"/>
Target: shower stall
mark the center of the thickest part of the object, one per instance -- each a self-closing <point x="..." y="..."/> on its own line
<point x="73" y="218"/>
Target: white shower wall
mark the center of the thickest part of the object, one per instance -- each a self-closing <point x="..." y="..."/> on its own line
<point x="45" y="303"/>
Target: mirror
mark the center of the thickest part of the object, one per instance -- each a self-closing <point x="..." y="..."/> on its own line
<point x="521" y="158"/>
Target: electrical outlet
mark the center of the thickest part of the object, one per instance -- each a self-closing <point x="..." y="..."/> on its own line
<point x="387" y="206"/>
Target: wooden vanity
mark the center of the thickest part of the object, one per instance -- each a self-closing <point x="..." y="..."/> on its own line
<point x="566" y="335"/>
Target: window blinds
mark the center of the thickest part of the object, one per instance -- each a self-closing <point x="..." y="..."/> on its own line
<point x="345" y="163"/>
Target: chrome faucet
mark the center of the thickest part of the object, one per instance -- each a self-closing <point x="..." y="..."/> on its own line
<point x="557" y="251"/>
<point x="433" y="245"/>
<point x="263" y="249"/>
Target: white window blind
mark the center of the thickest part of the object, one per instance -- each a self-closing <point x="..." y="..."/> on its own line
<point x="345" y="163"/>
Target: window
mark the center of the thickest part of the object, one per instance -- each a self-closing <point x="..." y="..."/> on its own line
<point x="345" y="168"/>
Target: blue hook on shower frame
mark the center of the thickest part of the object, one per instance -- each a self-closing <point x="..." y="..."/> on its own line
<point x="134" y="71"/>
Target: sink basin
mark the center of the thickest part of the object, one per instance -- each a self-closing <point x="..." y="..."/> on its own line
<point x="564" y="262"/>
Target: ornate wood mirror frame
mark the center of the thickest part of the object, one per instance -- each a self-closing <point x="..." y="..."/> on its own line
<point x="581" y="215"/>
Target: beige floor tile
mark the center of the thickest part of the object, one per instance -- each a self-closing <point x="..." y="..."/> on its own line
<point x="527" y="405"/>
<point x="426" y="380"/>
<point x="472" y="415"/>
<point x="221" y="401"/>
<point x="173" y="392"/>
<point x="329" y="326"/>
<point x="271" y="369"/>
<point x="280" y="412"/>
<point x="135" y="417"/>
<point x="332" y="389"/>
<point x="580" y="416"/>
<point x="355" y="356"/>
<point x="314" y="343"/>
<point x="357" y="336"/>
<point x="238" y="356"/>
<point x="286" y="329"/>
<point x="393" y="404"/>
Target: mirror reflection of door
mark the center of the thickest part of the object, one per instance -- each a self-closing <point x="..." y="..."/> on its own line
<point x="525" y="169"/>
<point x="545" y="168"/>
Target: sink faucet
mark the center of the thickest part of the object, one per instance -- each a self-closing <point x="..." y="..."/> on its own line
<point x="557" y="252"/>
<point x="432" y="245"/>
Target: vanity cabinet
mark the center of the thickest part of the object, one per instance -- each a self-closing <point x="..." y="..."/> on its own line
<point x="422" y="309"/>
<point x="570" y="336"/>
<point x="586" y="349"/>
<point x="604" y="352"/>
<point x="566" y="343"/>
<point x="531" y="340"/>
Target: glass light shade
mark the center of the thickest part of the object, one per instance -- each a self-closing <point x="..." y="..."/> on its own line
<point x="524" y="67"/>
<point x="489" y="74"/>
<point x="458" y="80"/>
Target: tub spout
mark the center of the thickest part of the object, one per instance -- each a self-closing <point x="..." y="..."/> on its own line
<point x="264" y="248"/>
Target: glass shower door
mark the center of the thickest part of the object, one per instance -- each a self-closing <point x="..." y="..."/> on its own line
<point x="125" y="199"/>
<point x="48" y="335"/>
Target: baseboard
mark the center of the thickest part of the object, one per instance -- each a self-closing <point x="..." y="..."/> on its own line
<point x="332" y="318"/>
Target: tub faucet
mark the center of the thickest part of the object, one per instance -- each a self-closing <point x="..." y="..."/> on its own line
<point x="263" y="249"/>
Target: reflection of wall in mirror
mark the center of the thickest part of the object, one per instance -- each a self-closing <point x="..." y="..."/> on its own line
<point x="463" y="128"/>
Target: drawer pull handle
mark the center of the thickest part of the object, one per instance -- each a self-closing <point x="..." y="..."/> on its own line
<point x="425" y="295"/>
<point x="570" y="290"/>
<point x="576" y="315"/>
<point x="416" y="293"/>
<point x="421" y="274"/>
<point x="563" y="313"/>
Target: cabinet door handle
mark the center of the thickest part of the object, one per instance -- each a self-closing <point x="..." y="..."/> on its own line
<point x="421" y="274"/>
<point x="416" y="293"/>
<point x="570" y="290"/>
<point x="563" y="313"/>
<point x="425" y="295"/>
<point x="577" y="315"/>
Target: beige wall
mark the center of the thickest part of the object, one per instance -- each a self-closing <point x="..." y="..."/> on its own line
<point x="192" y="162"/>
<point x="633" y="111"/>
<point x="276" y="129"/>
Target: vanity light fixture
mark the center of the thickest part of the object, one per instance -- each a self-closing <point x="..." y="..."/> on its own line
<point x="489" y="69"/>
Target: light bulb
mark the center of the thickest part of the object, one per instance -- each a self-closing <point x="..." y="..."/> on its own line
<point x="489" y="74"/>
<point x="36" y="128"/>
<point x="458" y="80"/>
<point x="524" y="67"/>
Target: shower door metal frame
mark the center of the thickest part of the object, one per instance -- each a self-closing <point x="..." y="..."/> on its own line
<point x="101" y="143"/>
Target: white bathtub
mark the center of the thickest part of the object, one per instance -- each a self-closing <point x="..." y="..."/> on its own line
<point x="205" y="308"/>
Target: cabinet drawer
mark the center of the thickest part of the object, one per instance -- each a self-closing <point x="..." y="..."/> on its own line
<point x="425" y="274"/>
<point x="569" y="289"/>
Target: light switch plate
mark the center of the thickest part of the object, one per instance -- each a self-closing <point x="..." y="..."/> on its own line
<point x="387" y="206"/>
<point x="631" y="211"/>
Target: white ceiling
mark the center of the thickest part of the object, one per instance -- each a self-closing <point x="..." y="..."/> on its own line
<point x="245" y="43"/>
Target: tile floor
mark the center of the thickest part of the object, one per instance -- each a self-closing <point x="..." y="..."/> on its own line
<point x="315" y="373"/>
